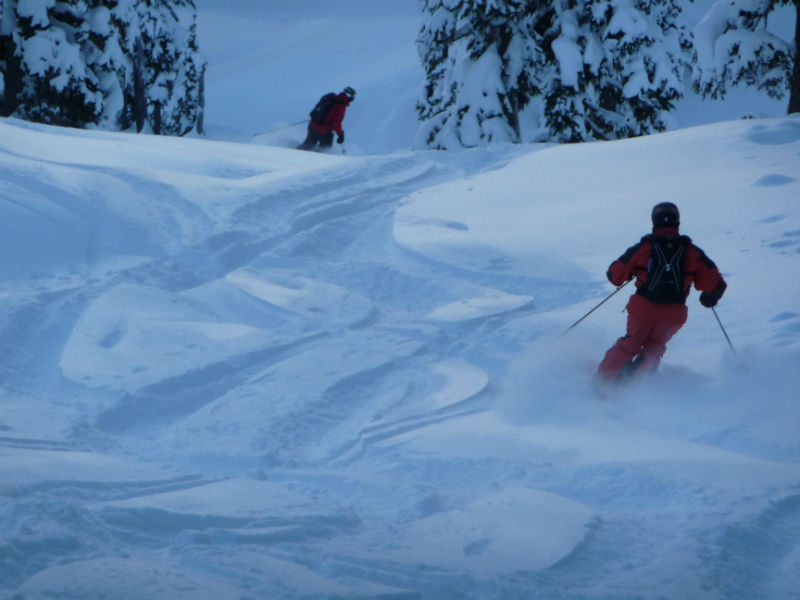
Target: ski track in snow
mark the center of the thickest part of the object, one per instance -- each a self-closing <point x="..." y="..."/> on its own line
<point x="300" y="384"/>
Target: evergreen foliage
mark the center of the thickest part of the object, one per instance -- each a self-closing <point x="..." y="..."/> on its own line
<point x="733" y="47"/>
<point x="55" y="85"/>
<point x="171" y="71"/>
<point x="480" y="57"/>
<point x="599" y="70"/>
<point x="112" y="64"/>
<point x="585" y="69"/>
<point x="617" y="69"/>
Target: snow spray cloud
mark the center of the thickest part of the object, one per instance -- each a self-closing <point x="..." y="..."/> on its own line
<point x="552" y="381"/>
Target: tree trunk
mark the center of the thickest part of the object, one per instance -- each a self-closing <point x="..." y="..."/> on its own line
<point x="201" y="101"/>
<point x="794" y="94"/>
<point x="12" y="76"/>
<point x="139" y="97"/>
<point x="157" y="118"/>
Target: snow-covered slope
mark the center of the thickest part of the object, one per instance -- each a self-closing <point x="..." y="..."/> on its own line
<point x="235" y="370"/>
<point x="270" y="62"/>
<point x="241" y="371"/>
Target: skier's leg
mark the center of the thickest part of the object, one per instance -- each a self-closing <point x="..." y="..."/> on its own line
<point x="310" y="141"/>
<point x="627" y="347"/>
<point x="671" y="318"/>
<point x="629" y="368"/>
<point x="621" y="353"/>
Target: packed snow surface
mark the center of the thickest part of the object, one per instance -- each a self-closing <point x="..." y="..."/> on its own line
<point x="236" y="370"/>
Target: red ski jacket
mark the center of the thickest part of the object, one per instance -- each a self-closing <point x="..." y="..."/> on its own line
<point x="333" y="122"/>
<point x="698" y="269"/>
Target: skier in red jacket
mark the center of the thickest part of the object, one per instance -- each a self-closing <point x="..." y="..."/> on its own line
<point x="321" y="131"/>
<point x="665" y="265"/>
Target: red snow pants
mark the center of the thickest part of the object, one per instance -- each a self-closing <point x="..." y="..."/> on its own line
<point x="650" y="327"/>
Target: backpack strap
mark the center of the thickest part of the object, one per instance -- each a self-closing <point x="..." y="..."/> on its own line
<point x="668" y="268"/>
<point x="665" y="269"/>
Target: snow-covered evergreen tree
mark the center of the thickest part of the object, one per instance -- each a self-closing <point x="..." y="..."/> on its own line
<point x="9" y="61"/>
<point x="171" y="70"/>
<point x="54" y="84"/>
<point x="617" y="69"/>
<point x="480" y="57"/>
<point x="600" y="69"/>
<point x="104" y="63"/>
<point x="106" y="59"/>
<point x="794" y="81"/>
<point x="734" y="47"/>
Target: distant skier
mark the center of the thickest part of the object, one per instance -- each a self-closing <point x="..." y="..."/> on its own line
<point x="665" y="265"/>
<point x="326" y="118"/>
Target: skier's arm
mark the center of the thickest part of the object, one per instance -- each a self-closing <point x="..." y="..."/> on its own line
<point x="707" y="278"/>
<point x="624" y="268"/>
<point x="336" y="117"/>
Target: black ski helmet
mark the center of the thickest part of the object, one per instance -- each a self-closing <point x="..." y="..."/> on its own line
<point x="350" y="93"/>
<point x="665" y="214"/>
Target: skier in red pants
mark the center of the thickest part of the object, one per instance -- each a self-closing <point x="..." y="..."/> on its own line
<point x="326" y="119"/>
<point x="665" y="265"/>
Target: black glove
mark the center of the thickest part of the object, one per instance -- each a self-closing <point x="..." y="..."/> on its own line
<point x="340" y="139"/>
<point x="708" y="300"/>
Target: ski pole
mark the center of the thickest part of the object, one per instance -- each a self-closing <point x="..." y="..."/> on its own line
<point x="277" y="128"/>
<point x="606" y="299"/>
<point x="725" y="333"/>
